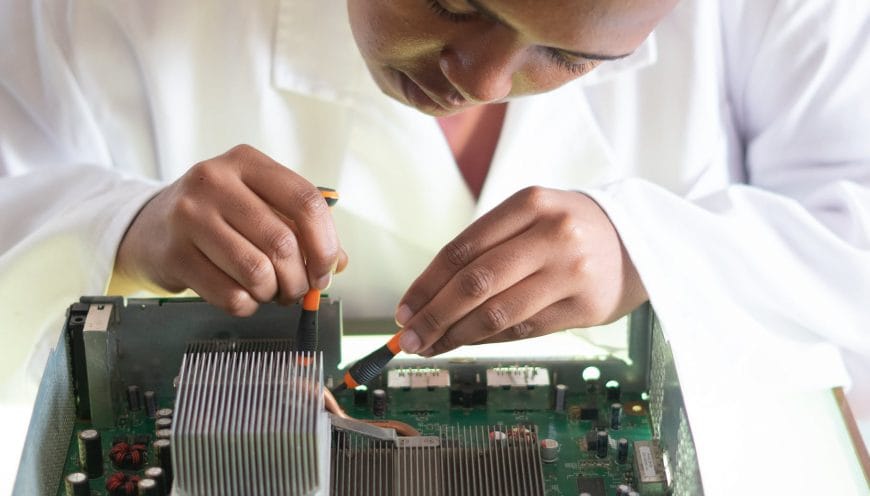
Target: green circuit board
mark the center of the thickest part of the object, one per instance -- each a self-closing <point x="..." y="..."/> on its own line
<point x="130" y="426"/>
<point x="430" y="410"/>
<point x="574" y="461"/>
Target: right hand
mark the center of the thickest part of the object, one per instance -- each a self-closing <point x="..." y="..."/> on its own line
<point x="239" y="229"/>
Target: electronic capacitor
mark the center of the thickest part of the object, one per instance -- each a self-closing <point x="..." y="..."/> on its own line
<point x="134" y="402"/>
<point x="601" y="445"/>
<point x="164" y="412"/>
<point x="622" y="450"/>
<point x="150" y="404"/>
<point x="612" y="390"/>
<point x="76" y="484"/>
<point x="361" y="395"/>
<point x="549" y="450"/>
<point x="164" y="433"/>
<point x="147" y="487"/>
<point x="163" y="459"/>
<point x="157" y="475"/>
<point x="163" y="423"/>
<point x="379" y="402"/>
<point x="616" y="416"/>
<point x="622" y="490"/>
<point x="90" y="453"/>
<point x="561" y="395"/>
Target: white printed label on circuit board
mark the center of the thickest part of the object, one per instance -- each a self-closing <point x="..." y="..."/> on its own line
<point x="418" y="378"/>
<point x="647" y="464"/>
<point x="517" y="377"/>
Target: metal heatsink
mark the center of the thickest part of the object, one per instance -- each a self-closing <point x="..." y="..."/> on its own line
<point x="460" y="461"/>
<point x="249" y="420"/>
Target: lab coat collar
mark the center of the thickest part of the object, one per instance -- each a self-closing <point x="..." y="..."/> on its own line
<point x="333" y="70"/>
<point x="551" y="140"/>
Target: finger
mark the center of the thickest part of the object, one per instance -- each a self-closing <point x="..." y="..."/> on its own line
<point x="342" y="261"/>
<point x="233" y="254"/>
<point x="506" y="310"/>
<point x="502" y="223"/>
<point x="556" y="317"/>
<point x="491" y="273"/>
<point x="275" y="238"/>
<point x="213" y="285"/>
<point x="293" y="196"/>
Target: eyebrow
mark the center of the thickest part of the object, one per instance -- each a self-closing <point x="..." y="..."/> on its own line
<point x="585" y="55"/>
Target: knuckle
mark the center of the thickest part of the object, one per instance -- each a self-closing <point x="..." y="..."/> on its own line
<point x="576" y="266"/>
<point x="520" y="331"/>
<point x="476" y="281"/>
<point x="494" y="318"/>
<point x="458" y="252"/>
<point x="446" y="343"/>
<point x="204" y="172"/>
<point x="567" y="228"/>
<point x="431" y="323"/>
<point x="311" y="204"/>
<point x="283" y="245"/>
<point x="536" y="198"/>
<point x="185" y="209"/>
<point x="255" y="270"/>
<point x="237" y="303"/>
<point x="241" y="151"/>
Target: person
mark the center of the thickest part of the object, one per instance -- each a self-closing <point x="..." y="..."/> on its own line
<point x="707" y="156"/>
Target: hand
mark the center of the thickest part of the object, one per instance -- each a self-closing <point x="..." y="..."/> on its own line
<point x="542" y="261"/>
<point x="239" y="229"/>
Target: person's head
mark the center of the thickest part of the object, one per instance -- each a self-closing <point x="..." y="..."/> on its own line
<point x="441" y="56"/>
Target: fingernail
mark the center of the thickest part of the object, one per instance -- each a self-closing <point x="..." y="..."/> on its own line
<point x="410" y="341"/>
<point x="403" y="314"/>
<point x="324" y="282"/>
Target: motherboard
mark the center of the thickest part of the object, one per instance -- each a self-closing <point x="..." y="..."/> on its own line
<point x="215" y="408"/>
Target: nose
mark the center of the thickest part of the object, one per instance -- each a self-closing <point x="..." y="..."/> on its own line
<point x="481" y="65"/>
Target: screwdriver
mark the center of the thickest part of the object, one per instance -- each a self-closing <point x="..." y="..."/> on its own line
<point x="369" y="366"/>
<point x="307" y="332"/>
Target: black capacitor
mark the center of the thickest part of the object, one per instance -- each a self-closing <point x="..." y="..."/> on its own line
<point x="601" y="445"/>
<point x="163" y="433"/>
<point x="379" y="402"/>
<point x="77" y="484"/>
<point x="616" y="416"/>
<point x="164" y="412"/>
<point x="156" y="474"/>
<point x="622" y="450"/>
<point x="147" y="487"/>
<point x="134" y="398"/>
<point x="91" y="453"/>
<point x="561" y="394"/>
<point x="163" y="423"/>
<point x="163" y="459"/>
<point x="613" y="391"/>
<point x="361" y="395"/>
<point x="150" y="403"/>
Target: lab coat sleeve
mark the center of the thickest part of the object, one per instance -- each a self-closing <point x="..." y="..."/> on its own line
<point x="57" y="175"/>
<point x="64" y="206"/>
<point x="770" y="280"/>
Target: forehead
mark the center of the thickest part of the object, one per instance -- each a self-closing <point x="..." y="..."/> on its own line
<point x="610" y="26"/>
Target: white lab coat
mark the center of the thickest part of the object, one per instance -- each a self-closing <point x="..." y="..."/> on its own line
<point x="731" y="151"/>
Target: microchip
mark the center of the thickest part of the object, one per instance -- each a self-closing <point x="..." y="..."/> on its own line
<point x="589" y="412"/>
<point x="592" y="485"/>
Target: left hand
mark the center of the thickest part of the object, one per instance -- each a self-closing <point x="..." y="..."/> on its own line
<point x="542" y="261"/>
